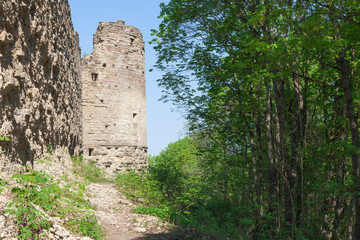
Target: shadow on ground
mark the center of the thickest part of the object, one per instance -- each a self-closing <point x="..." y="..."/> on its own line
<point x="168" y="237"/>
<point x="176" y="235"/>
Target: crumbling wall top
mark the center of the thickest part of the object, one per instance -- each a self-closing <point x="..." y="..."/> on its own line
<point x="115" y="32"/>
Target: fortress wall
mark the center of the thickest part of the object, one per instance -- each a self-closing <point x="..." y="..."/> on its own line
<point x="114" y="103"/>
<point x="40" y="86"/>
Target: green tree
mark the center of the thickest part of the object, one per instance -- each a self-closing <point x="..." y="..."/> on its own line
<point x="175" y="167"/>
<point x="272" y="87"/>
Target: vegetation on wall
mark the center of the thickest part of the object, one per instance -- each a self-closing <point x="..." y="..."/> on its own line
<point x="4" y="138"/>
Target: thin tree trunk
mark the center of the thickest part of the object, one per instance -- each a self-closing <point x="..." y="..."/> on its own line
<point x="272" y="172"/>
<point x="259" y="166"/>
<point x="298" y="143"/>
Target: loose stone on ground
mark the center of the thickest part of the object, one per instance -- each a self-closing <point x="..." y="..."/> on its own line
<point x="113" y="211"/>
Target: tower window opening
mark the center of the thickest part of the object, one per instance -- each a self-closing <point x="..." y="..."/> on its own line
<point x="91" y="151"/>
<point x="134" y="115"/>
<point x="94" y="76"/>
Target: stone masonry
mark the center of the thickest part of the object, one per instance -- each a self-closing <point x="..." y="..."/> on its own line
<point x="40" y="86"/>
<point x="114" y="104"/>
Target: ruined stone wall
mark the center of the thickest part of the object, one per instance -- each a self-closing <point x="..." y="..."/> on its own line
<point x="114" y="103"/>
<point x="40" y="86"/>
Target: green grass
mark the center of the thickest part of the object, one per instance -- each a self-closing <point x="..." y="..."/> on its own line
<point x="88" y="170"/>
<point x="39" y="196"/>
<point x="215" y="220"/>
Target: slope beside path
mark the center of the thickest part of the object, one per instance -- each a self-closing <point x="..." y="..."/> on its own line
<point x="113" y="211"/>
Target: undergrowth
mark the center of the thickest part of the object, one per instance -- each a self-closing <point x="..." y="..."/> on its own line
<point x="179" y="189"/>
<point x="151" y="200"/>
<point x="2" y="184"/>
<point x="38" y="197"/>
<point x="88" y="170"/>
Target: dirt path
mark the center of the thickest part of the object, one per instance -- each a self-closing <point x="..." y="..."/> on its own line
<point x="113" y="211"/>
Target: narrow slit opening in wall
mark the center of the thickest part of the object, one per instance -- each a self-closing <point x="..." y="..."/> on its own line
<point x="91" y="151"/>
<point x="94" y="76"/>
<point x="132" y="41"/>
<point x="32" y="11"/>
<point x="134" y="115"/>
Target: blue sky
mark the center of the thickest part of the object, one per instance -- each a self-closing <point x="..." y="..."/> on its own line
<point x="164" y="126"/>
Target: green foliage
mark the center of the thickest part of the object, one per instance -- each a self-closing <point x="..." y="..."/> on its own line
<point x="129" y="183"/>
<point x="49" y="149"/>
<point x="2" y="184"/>
<point x="86" y="225"/>
<point x="5" y="138"/>
<point x="38" y="196"/>
<point x="176" y="189"/>
<point x="88" y="170"/>
<point x="175" y="168"/>
<point x="35" y="188"/>
<point x="162" y="212"/>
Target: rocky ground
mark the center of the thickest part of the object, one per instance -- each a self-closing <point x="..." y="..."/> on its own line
<point x="112" y="209"/>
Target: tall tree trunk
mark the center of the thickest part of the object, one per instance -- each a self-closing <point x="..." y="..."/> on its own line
<point x="288" y="172"/>
<point x="354" y="128"/>
<point x="339" y="166"/>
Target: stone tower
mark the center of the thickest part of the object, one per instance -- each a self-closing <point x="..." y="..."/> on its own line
<point x="114" y="103"/>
